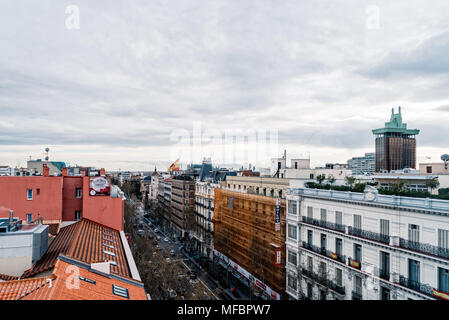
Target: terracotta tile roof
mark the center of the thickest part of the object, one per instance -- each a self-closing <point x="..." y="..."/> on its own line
<point x="97" y="287"/>
<point x="88" y="242"/>
<point x="5" y="277"/>
<point x="60" y="244"/>
<point x="96" y="243"/>
<point x="18" y="289"/>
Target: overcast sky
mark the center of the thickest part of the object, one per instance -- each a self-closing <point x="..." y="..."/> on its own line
<point x="321" y="73"/>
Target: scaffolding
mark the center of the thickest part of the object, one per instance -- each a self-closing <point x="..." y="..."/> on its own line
<point x="245" y="232"/>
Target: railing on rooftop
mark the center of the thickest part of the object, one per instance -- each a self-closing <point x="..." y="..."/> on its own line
<point x="424" y="203"/>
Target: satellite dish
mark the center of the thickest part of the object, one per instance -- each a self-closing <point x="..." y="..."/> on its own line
<point x="47" y="149"/>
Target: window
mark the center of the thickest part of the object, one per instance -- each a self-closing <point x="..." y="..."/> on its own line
<point x="38" y="191"/>
<point x="358" y="285"/>
<point x="78" y="193"/>
<point x="29" y="217"/>
<point x="310" y="264"/>
<point x="292" y="257"/>
<point x="292" y="283"/>
<point x="357" y="221"/>
<point x="385" y="265"/>
<point x="384" y="227"/>
<point x="443" y="239"/>
<point x="413" y="232"/>
<point x="323" y="242"/>
<point x="338" y="217"/>
<point x="322" y="270"/>
<point x="292" y="231"/>
<point x="322" y="294"/>
<point x="296" y="165"/>
<point x="357" y="252"/>
<point x="310" y="212"/>
<point x="311" y="176"/>
<point x="339" y="277"/>
<point x="413" y="272"/>
<point x="77" y="215"/>
<point x="309" y="237"/>
<point x="443" y="280"/>
<point x="292" y="209"/>
<point x="272" y="193"/>
<point x="384" y="293"/>
<point x="338" y="246"/>
<point x="323" y="214"/>
<point x="309" y="291"/>
<point x="29" y="194"/>
<point x="429" y="169"/>
<point x="119" y="291"/>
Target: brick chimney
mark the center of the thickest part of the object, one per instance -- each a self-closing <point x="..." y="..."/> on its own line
<point x="102" y="172"/>
<point x="65" y="172"/>
<point x="45" y="170"/>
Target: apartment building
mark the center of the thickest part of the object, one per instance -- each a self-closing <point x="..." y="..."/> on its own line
<point x="58" y="199"/>
<point x="249" y="240"/>
<point x="204" y="212"/>
<point x="366" y="246"/>
<point x="182" y="204"/>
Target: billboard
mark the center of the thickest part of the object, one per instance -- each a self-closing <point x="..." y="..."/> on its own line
<point x="278" y="257"/>
<point x="99" y="186"/>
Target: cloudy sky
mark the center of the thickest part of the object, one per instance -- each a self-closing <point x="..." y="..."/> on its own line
<point x="135" y="74"/>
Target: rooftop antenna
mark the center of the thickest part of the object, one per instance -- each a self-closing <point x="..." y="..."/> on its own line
<point x="445" y="158"/>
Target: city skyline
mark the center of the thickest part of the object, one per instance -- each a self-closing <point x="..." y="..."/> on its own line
<point x="116" y="88"/>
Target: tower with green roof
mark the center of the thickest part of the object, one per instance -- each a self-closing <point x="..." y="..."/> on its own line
<point x="395" y="145"/>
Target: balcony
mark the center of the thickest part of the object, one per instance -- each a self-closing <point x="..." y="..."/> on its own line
<point x="356" y="295"/>
<point x="324" y="252"/>
<point x="416" y="286"/>
<point x="424" y="248"/>
<point x="323" y="281"/>
<point x="324" y="224"/>
<point x="369" y="235"/>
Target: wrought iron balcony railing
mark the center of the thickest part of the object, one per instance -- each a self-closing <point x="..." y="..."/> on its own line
<point x="324" y="224"/>
<point x="416" y="286"/>
<point x="424" y="248"/>
<point x="369" y="235"/>
<point x="323" y="280"/>
<point x="324" y="252"/>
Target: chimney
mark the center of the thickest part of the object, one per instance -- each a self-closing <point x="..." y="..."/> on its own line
<point x="45" y="170"/>
<point x="83" y="171"/>
<point x="65" y="172"/>
<point x="11" y="217"/>
<point x="102" y="172"/>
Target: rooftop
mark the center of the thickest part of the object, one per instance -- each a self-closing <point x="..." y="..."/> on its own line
<point x="371" y="196"/>
<point x="395" y="125"/>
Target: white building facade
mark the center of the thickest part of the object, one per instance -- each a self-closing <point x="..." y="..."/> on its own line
<point x="366" y="246"/>
<point x="204" y="213"/>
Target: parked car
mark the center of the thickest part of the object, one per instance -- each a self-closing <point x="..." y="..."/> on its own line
<point x="166" y="239"/>
<point x="140" y="232"/>
<point x="172" y="252"/>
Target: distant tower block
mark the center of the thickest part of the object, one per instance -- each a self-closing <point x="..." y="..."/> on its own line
<point x="395" y="145"/>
